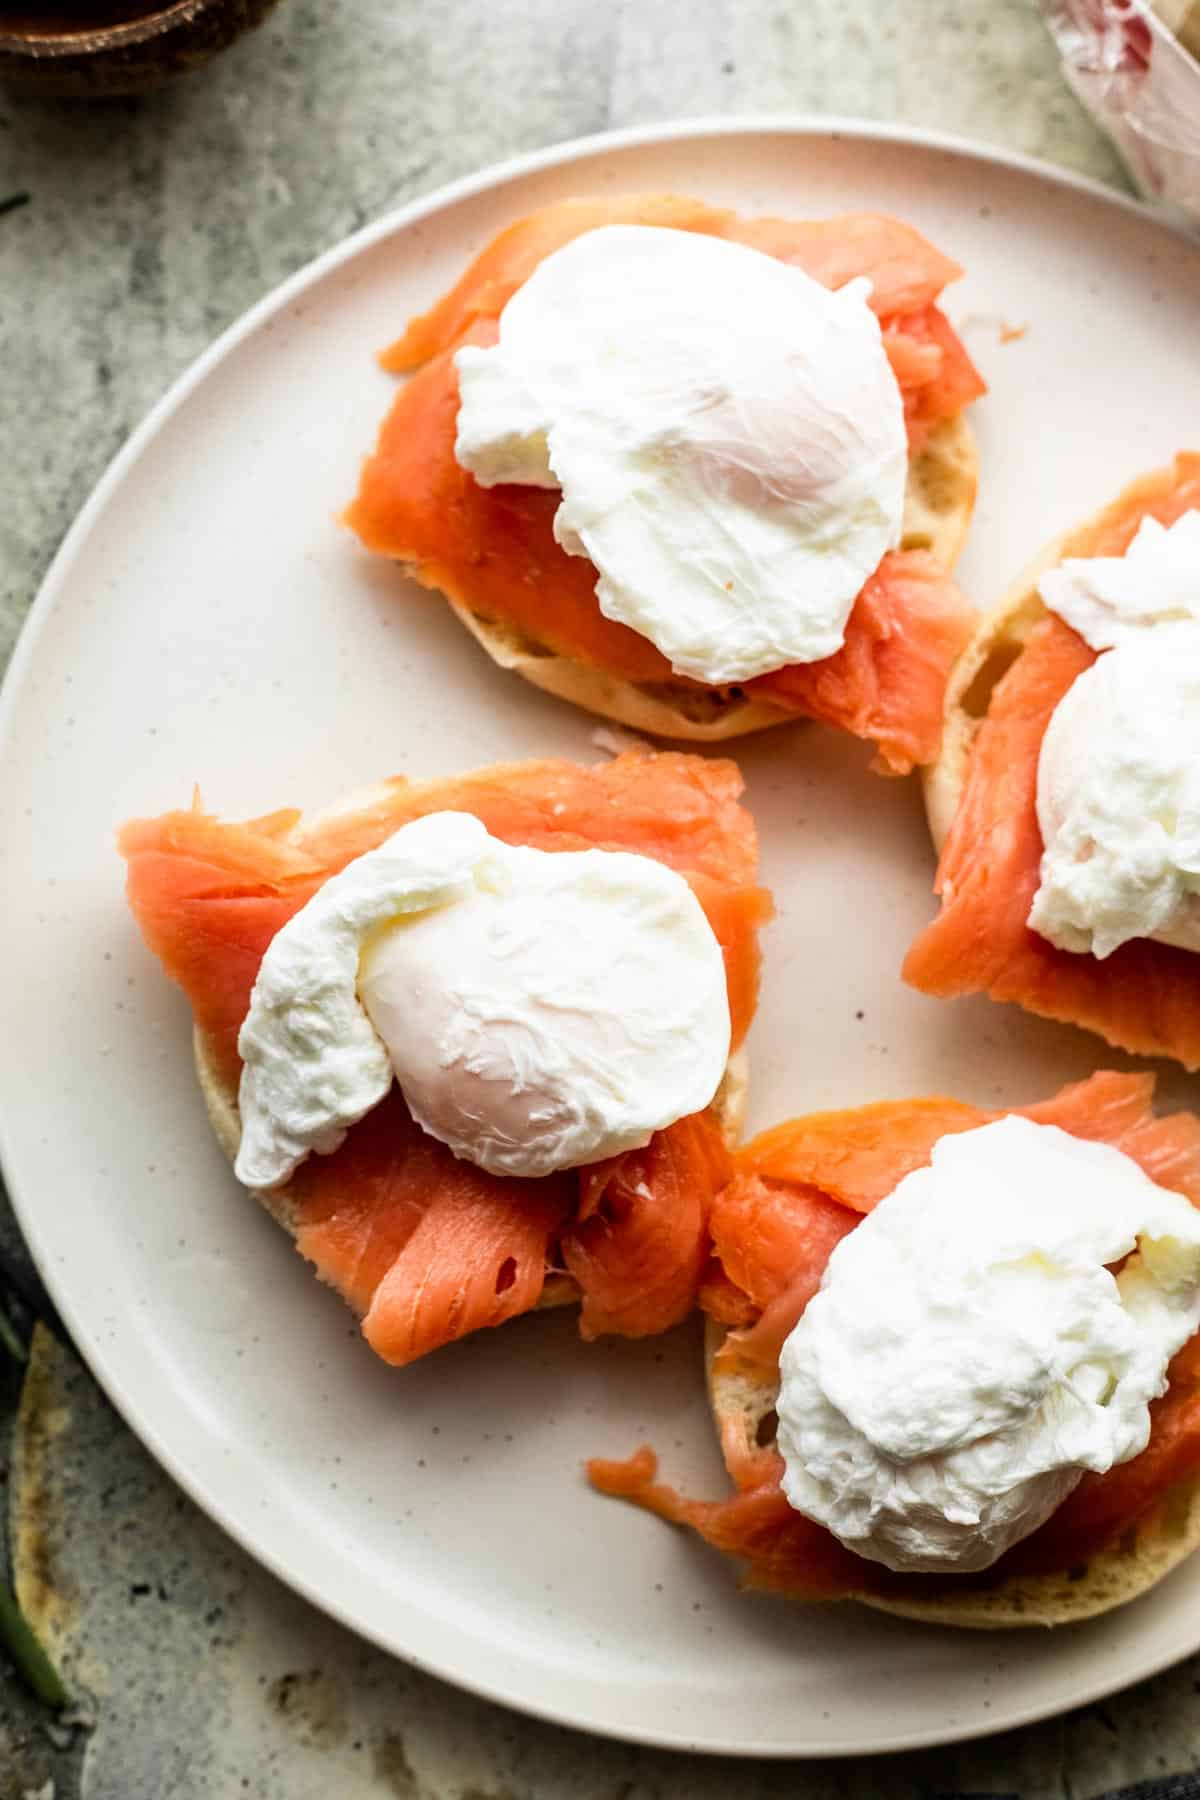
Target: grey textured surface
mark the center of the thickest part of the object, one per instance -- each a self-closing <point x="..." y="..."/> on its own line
<point x="150" y="225"/>
<point x="205" y="1677"/>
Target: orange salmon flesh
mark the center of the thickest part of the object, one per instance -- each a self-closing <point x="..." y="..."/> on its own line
<point x="1145" y="997"/>
<point x="796" y="1192"/>
<point x="493" y="549"/>
<point x="424" y="1247"/>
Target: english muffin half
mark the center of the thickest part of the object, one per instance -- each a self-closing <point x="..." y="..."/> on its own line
<point x="981" y="800"/>
<point x="402" y="1227"/>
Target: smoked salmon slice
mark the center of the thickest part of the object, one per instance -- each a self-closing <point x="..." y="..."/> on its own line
<point x="887" y="683"/>
<point x="638" y="1240"/>
<point x="1145" y="997"/>
<point x="493" y="549"/>
<point x="800" y="1187"/>
<point x="424" y="1247"/>
<point x="796" y="1191"/>
<point x="906" y="271"/>
<point x="779" y="1549"/>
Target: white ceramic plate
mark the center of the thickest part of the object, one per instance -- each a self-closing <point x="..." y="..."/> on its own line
<point x="207" y="621"/>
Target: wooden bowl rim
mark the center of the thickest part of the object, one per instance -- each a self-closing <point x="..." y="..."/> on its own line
<point x="96" y="40"/>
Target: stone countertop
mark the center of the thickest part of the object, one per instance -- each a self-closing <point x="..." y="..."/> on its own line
<point x="136" y="231"/>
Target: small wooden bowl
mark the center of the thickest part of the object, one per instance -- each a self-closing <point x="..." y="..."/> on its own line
<point x="100" y="47"/>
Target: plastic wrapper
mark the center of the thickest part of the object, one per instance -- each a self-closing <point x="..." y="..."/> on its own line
<point x="1136" y="68"/>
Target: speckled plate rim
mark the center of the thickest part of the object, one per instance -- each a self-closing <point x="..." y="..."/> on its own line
<point x="72" y="1306"/>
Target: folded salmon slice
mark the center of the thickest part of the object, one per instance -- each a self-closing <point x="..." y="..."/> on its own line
<point x="638" y="1240"/>
<point x="427" y="1248"/>
<point x="906" y="272"/>
<point x="1145" y="997"/>
<point x="493" y="549"/>
<point x="800" y="1187"/>
<point x="424" y="1247"/>
<point x="796" y="1192"/>
<point x="887" y="683"/>
<point x="779" y="1549"/>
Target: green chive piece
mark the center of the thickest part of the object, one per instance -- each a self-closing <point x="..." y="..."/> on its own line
<point x="27" y="1653"/>
<point x="10" y="1341"/>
